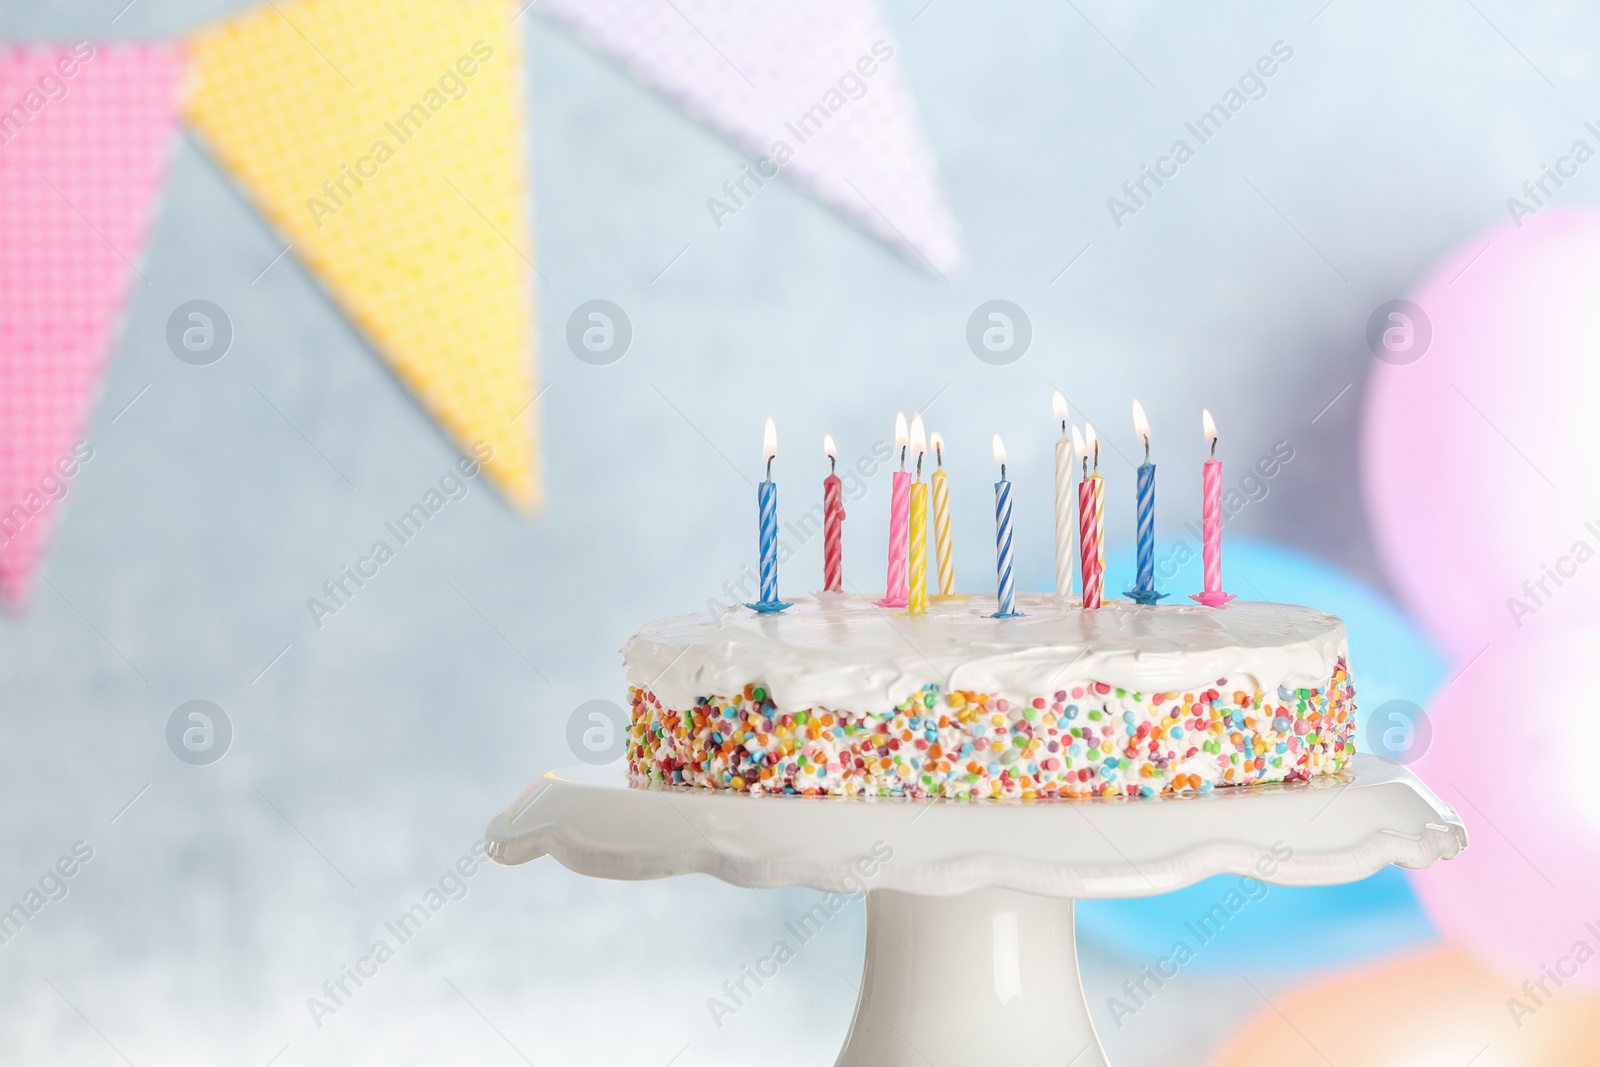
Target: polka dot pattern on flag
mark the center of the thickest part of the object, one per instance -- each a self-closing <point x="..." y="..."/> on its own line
<point x="813" y="88"/>
<point x="384" y="139"/>
<point x="85" y="135"/>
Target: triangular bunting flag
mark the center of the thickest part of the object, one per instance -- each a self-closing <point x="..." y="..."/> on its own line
<point x="384" y="139"/>
<point x="85" y="134"/>
<point x="809" y="90"/>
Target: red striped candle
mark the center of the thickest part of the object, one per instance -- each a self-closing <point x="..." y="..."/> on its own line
<point x="1091" y="527"/>
<point x="832" y="522"/>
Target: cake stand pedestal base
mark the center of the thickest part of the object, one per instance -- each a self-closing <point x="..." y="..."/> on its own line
<point x="971" y="958"/>
<point x="949" y="981"/>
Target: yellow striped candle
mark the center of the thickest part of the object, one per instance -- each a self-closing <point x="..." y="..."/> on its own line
<point x="917" y="603"/>
<point x="941" y="521"/>
<point x="917" y="597"/>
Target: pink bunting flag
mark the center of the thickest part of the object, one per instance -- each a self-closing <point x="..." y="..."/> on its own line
<point x="85" y="133"/>
<point x="813" y="91"/>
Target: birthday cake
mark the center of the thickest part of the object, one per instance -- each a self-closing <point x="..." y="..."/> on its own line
<point x="838" y="696"/>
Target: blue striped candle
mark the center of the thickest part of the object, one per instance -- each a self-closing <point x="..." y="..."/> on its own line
<point x="1144" y="586"/>
<point x="1146" y="502"/>
<point x="767" y="503"/>
<point x="767" y="498"/>
<point x="1005" y="578"/>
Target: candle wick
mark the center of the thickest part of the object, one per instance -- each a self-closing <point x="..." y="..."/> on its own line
<point x="1085" y="461"/>
<point x="1213" y="448"/>
<point x="919" y="466"/>
<point x="833" y="464"/>
<point x="769" y="467"/>
<point x="1147" y="448"/>
<point x="1002" y="472"/>
<point x="1097" y="457"/>
<point x="939" y="455"/>
<point x="902" y="457"/>
<point x="1063" y="429"/>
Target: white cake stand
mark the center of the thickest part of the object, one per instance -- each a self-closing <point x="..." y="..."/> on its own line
<point x="970" y="943"/>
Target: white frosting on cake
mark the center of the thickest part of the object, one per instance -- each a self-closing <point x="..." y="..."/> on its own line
<point x="844" y="652"/>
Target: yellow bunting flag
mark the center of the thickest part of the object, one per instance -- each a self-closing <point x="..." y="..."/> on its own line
<point x="384" y="139"/>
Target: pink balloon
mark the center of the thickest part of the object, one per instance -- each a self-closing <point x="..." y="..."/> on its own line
<point x="1482" y="429"/>
<point x="1513" y="752"/>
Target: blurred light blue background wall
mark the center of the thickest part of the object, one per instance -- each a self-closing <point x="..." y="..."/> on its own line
<point x="368" y="754"/>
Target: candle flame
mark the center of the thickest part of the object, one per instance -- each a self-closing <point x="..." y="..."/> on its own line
<point x="1058" y="404"/>
<point x="769" y="440"/>
<point x="1090" y="441"/>
<point x="1077" y="442"/>
<point x="829" y="449"/>
<point x="1141" y="425"/>
<point x="900" y="429"/>
<point x="936" y="441"/>
<point x="919" y="436"/>
<point x="1208" y="425"/>
<point x="999" y="449"/>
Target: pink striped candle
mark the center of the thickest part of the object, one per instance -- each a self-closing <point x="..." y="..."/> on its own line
<point x="1211" y="521"/>
<point x="897" y="586"/>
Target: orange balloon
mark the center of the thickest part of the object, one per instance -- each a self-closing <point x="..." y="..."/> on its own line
<point x="1434" y="1008"/>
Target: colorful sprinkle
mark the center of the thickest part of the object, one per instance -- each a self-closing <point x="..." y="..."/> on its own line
<point x="974" y="745"/>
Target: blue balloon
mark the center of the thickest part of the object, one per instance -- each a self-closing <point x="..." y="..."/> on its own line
<point x="1282" y="927"/>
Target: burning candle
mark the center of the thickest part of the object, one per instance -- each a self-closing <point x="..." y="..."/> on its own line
<point x="767" y="503"/>
<point x="917" y="597"/>
<point x="832" y="521"/>
<point x="1058" y="405"/>
<point x="941" y="520"/>
<point x="1091" y="518"/>
<point x="894" y="595"/>
<point x="1005" y="581"/>
<point x="1211" y="520"/>
<point x="1144" y="586"/>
